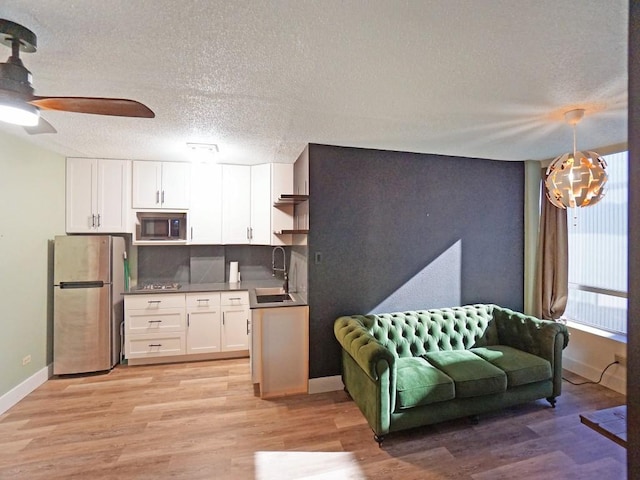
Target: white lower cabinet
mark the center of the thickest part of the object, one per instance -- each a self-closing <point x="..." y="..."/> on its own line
<point x="156" y="345"/>
<point x="203" y="322"/>
<point x="176" y="324"/>
<point x="154" y="325"/>
<point x="236" y="326"/>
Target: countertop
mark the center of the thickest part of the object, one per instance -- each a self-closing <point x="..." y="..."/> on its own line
<point x="246" y="285"/>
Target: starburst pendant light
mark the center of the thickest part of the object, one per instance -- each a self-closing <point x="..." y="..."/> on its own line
<point x="576" y="179"/>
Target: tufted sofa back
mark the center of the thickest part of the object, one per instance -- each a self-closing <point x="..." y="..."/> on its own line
<point x="417" y="332"/>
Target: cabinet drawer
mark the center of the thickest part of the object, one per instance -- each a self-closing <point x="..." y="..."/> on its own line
<point x="154" y="301"/>
<point x="234" y="298"/>
<point x="202" y="301"/>
<point x="163" y="320"/>
<point x="148" y="346"/>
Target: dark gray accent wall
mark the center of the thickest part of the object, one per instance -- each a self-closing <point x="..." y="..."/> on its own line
<point x="633" y="326"/>
<point x="400" y="231"/>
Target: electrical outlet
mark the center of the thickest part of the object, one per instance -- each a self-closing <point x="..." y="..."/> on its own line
<point x="621" y="359"/>
<point x="26" y="360"/>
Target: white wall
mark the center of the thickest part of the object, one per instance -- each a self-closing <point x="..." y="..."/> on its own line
<point x="32" y="183"/>
<point x="589" y="353"/>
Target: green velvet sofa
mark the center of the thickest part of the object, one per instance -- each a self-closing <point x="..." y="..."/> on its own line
<point x="409" y="369"/>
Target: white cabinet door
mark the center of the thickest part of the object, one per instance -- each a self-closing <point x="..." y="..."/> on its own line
<point x="205" y="211"/>
<point x="97" y="195"/>
<point x="235" y="328"/>
<point x="236" y="204"/>
<point x="112" y="195"/>
<point x="261" y="204"/>
<point x="81" y="177"/>
<point x="203" y="322"/>
<point x="203" y="331"/>
<point x="176" y="178"/>
<point x="147" y="184"/>
<point x="235" y="320"/>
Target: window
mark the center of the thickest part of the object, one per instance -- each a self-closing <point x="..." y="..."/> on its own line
<point x="598" y="255"/>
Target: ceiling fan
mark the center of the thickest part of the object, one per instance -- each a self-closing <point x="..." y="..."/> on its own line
<point x="20" y="106"/>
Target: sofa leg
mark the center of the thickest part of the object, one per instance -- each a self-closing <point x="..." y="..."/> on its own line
<point x="348" y="394"/>
<point x="474" y="419"/>
<point x="552" y="401"/>
<point x="379" y="439"/>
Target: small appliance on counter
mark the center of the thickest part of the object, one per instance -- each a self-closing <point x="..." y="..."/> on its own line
<point x="88" y="306"/>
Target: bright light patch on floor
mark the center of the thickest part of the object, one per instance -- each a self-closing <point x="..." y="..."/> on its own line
<point x="307" y="465"/>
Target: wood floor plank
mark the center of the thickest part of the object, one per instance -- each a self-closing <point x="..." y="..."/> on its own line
<point x="204" y="420"/>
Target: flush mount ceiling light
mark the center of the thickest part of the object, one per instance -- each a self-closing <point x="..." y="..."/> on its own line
<point x="576" y="179"/>
<point x="202" y="151"/>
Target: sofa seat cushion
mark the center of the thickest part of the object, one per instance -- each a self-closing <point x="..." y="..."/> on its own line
<point x="521" y="367"/>
<point x="419" y="383"/>
<point x="472" y="375"/>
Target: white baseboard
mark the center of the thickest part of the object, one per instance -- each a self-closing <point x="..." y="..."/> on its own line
<point x="325" y="384"/>
<point x="20" y="391"/>
<point x="614" y="379"/>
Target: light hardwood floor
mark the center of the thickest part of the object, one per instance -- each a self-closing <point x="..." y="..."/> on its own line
<point x="204" y="421"/>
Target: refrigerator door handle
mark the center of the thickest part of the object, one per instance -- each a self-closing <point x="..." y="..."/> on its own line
<point x="96" y="284"/>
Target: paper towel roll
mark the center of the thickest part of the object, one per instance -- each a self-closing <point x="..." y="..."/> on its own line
<point x="233" y="272"/>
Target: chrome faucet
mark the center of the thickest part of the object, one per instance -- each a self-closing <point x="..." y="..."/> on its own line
<point x="285" y="286"/>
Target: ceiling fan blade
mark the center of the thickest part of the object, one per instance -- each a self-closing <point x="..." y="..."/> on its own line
<point x="120" y="107"/>
<point x="42" y="127"/>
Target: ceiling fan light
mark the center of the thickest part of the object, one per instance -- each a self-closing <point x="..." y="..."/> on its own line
<point x="19" y="114"/>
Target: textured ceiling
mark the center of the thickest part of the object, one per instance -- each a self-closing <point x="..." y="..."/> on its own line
<point x="261" y="79"/>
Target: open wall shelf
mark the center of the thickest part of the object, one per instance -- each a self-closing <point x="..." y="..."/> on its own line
<point x="290" y="199"/>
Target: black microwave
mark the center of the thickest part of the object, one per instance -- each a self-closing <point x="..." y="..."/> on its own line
<point x="161" y="226"/>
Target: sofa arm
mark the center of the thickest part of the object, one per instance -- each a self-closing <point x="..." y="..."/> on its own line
<point x="368" y="371"/>
<point x="544" y="338"/>
<point x="363" y="347"/>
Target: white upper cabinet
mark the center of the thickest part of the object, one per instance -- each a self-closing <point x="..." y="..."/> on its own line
<point x="97" y="195"/>
<point x="248" y="197"/>
<point x="236" y="204"/>
<point x="205" y="211"/>
<point x="163" y="185"/>
<point x="261" y="204"/>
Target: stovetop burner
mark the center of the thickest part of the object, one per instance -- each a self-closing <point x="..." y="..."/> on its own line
<point x="159" y="286"/>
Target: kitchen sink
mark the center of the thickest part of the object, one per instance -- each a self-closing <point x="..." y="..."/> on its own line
<point x="273" y="298"/>
<point x="269" y="291"/>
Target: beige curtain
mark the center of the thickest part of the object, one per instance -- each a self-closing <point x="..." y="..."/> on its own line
<point x="552" y="269"/>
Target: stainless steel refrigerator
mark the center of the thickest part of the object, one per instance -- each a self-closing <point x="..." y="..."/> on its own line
<point x="88" y="306"/>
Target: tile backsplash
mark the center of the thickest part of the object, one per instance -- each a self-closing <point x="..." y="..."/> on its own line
<point x="204" y="263"/>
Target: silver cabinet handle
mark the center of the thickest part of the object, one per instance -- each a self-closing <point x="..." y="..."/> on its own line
<point x="162" y="196"/>
<point x="99" y="222"/>
<point x="191" y="233"/>
<point x="202" y="300"/>
<point x="154" y="301"/>
<point x="155" y="321"/>
<point x="155" y="345"/>
<point x="248" y="326"/>
<point x="93" y="220"/>
<point x="157" y="196"/>
<point x="222" y="318"/>
<point x="188" y="319"/>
